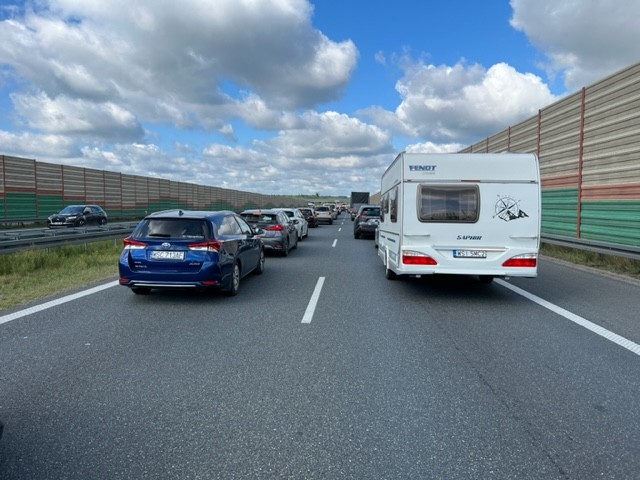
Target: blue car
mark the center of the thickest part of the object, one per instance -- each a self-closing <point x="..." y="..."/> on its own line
<point x="190" y="250"/>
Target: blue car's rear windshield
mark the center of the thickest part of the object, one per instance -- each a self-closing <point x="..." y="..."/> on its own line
<point x="186" y="228"/>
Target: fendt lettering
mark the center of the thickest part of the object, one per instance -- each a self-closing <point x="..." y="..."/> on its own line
<point x="422" y="168"/>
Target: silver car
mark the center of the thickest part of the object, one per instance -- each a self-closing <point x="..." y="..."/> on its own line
<point x="324" y="214"/>
<point x="300" y="222"/>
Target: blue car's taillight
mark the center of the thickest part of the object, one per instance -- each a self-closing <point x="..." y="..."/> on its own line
<point x="210" y="246"/>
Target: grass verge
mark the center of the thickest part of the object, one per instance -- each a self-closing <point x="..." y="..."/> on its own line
<point x="610" y="263"/>
<point x="33" y="274"/>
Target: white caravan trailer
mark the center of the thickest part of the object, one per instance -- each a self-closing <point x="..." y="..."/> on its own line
<point x="455" y="213"/>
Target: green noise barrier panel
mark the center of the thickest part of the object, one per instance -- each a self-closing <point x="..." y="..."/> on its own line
<point x="615" y="221"/>
<point x="559" y="211"/>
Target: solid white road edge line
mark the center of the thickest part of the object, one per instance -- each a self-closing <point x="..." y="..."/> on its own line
<point x="311" y="308"/>
<point x="603" y="332"/>
<point x="53" y="303"/>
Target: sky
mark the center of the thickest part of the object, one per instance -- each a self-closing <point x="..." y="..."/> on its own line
<point x="291" y="97"/>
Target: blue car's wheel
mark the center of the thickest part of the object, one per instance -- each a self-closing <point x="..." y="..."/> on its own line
<point x="234" y="281"/>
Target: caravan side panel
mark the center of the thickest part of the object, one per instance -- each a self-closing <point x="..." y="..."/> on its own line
<point x="391" y="211"/>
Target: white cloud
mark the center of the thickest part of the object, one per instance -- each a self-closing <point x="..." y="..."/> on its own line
<point x="380" y="58"/>
<point x="65" y="115"/>
<point x="461" y="103"/>
<point x="176" y="61"/>
<point x="227" y="132"/>
<point x="38" y="146"/>
<point x="330" y="134"/>
<point x="328" y="149"/>
<point x="430" y="147"/>
<point x="255" y="112"/>
<point x="584" y="40"/>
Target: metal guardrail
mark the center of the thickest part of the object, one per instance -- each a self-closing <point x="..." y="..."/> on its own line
<point x="42" y="238"/>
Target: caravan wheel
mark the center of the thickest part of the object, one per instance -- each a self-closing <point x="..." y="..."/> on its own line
<point x="388" y="273"/>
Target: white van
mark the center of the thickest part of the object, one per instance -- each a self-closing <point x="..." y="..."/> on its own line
<point x="460" y="213"/>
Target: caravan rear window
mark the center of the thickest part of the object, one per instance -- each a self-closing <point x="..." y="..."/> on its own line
<point x="448" y="203"/>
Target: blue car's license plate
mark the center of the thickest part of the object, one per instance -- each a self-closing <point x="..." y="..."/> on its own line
<point x="167" y="255"/>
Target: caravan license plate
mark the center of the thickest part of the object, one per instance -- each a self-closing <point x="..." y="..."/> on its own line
<point x="470" y="254"/>
<point x="165" y="255"/>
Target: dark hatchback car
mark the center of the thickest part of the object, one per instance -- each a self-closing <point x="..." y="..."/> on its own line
<point x="366" y="221"/>
<point x="279" y="231"/>
<point x="78" y="216"/>
<point x="310" y="214"/>
<point x="190" y="249"/>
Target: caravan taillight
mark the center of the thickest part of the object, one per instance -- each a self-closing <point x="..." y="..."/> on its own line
<point x="526" y="260"/>
<point x="410" y="257"/>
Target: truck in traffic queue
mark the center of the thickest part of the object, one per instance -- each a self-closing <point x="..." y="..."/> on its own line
<point x="357" y="200"/>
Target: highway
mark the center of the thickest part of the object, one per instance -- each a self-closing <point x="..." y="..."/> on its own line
<point x="432" y="378"/>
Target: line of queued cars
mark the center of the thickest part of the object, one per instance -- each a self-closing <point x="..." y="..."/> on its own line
<point x="205" y="250"/>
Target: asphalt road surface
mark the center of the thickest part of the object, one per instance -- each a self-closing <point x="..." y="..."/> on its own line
<point x="432" y="378"/>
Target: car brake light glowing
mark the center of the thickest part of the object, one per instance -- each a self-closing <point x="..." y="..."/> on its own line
<point x="210" y="246"/>
<point x="410" y="257"/>
<point x="274" y="227"/>
<point x="526" y="260"/>
<point x="131" y="244"/>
